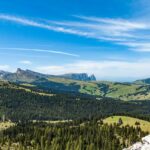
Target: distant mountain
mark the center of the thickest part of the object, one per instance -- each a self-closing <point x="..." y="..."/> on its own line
<point x="3" y="73"/>
<point x="20" y="76"/>
<point x="79" y="76"/>
<point x="79" y="83"/>
<point x="30" y="76"/>
<point x="143" y="81"/>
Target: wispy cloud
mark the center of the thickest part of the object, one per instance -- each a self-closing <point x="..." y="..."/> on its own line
<point x="138" y="46"/>
<point x="129" y="33"/>
<point x="121" y="24"/>
<point x="115" y="30"/>
<point x="25" y="62"/>
<point x="42" y="51"/>
<point x="106" y="27"/>
<point x="29" y="22"/>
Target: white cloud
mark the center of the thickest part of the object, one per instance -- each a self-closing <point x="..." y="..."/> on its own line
<point x="26" y="62"/>
<point x="120" y="24"/>
<point x="33" y="23"/>
<point x="90" y="27"/>
<point x="55" y="70"/>
<point x="104" y="70"/>
<point x="115" y="30"/>
<point x="137" y="46"/>
<point x="4" y="67"/>
<point x="106" y="28"/>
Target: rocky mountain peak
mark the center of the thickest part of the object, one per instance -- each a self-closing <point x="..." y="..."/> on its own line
<point x="79" y="76"/>
<point x="92" y="77"/>
<point x="19" y="71"/>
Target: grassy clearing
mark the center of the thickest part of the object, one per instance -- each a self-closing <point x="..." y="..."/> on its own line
<point x="5" y="125"/>
<point x="34" y="92"/>
<point x="28" y="85"/>
<point x="54" y="121"/>
<point x="144" y="125"/>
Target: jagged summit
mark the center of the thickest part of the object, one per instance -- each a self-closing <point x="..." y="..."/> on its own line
<point x="80" y="76"/>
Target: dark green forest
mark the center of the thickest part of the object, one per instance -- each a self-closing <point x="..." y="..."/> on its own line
<point x="76" y="135"/>
<point x="86" y="131"/>
<point x="18" y="105"/>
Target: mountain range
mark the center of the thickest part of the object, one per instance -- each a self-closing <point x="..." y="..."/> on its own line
<point x="30" y="76"/>
<point x="79" y="83"/>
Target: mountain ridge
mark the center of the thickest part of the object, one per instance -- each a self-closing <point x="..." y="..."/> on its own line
<point x="78" y="83"/>
<point x="30" y="75"/>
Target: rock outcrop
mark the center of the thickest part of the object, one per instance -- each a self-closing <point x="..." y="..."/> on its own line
<point x="79" y="76"/>
<point x="143" y="145"/>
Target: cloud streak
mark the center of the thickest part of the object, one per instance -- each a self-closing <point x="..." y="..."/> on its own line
<point x="115" y="30"/>
<point x="37" y="24"/>
<point x="42" y="51"/>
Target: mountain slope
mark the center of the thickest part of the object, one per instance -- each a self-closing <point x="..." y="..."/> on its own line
<point x="65" y="84"/>
<point x="143" y="81"/>
<point x="25" y="104"/>
<point x="107" y="89"/>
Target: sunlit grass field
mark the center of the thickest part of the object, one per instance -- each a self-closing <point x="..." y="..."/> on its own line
<point x="6" y="125"/>
<point x="144" y="125"/>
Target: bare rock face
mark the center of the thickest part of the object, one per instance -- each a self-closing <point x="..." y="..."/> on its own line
<point x="79" y="76"/>
<point x="143" y="145"/>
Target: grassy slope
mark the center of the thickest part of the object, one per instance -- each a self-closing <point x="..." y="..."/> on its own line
<point x="25" y="87"/>
<point x="109" y="89"/>
<point x="100" y="88"/>
<point x="145" y="125"/>
<point x="85" y="87"/>
<point x="128" y="91"/>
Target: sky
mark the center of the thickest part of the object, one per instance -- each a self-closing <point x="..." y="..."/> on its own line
<point x="108" y="38"/>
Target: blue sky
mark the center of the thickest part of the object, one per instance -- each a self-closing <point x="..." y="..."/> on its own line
<point x="109" y="38"/>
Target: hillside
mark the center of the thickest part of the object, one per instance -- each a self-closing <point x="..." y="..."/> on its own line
<point x="143" y="81"/>
<point x="40" y="105"/>
<point x="123" y="91"/>
<point x="79" y="84"/>
<point x="144" y="125"/>
<point x="75" y="135"/>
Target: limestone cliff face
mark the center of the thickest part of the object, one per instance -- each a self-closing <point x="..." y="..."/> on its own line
<point x="143" y="145"/>
<point x="79" y="76"/>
